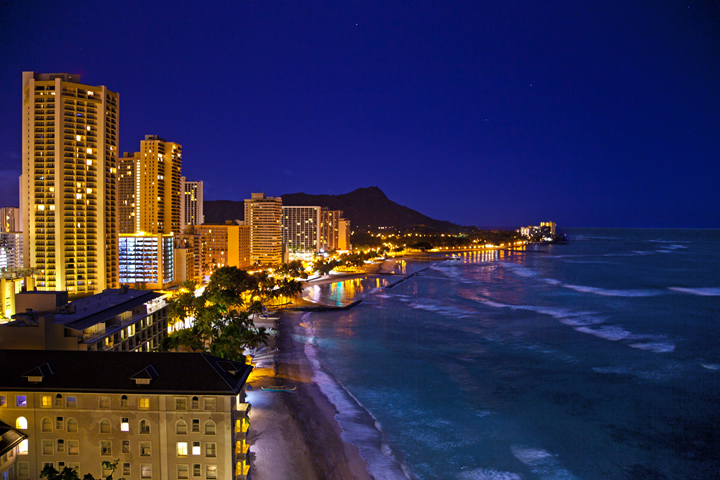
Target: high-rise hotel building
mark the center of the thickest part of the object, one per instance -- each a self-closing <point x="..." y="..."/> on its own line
<point x="150" y="212"/>
<point x="301" y="229"/>
<point x="264" y="217"/>
<point x="68" y="185"/>
<point x="149" y="185"/>
<point x="191" y="204"/>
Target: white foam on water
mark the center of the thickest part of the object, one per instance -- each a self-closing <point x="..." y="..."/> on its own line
<point x="518" y="270"/>
<point x="544" y="464"/>
<point x="607" y="332"/>
<point x="670" y="241"/>
<point x="654" y="347"/>
<point x="614" y="293"/>
<point x="488" y="474"/>
<point x="643" y="252"/>
<point x="703" y="292"/>
<point x="710" y="366"/>
<point x="369" y="439"/>
<point x="552" y="281"/>
<point x="379" y="295"/>
<point x="528" y="455"/>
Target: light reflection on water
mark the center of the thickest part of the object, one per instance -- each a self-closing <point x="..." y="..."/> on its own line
<point x="342" y="292"/>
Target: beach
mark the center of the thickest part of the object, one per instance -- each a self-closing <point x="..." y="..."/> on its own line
<point x="294" y="435"/>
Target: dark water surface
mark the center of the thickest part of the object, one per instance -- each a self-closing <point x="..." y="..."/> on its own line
<point x="593" y="360"/>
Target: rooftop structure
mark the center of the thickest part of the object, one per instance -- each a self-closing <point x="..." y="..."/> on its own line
<point x="119" y="320"/>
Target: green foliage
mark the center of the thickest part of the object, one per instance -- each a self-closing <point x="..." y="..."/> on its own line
<point x="68" y="473"/>
<point x="223" y="325"/>
<point x="293" y="269"/>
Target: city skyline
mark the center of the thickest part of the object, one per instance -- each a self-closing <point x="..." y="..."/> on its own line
<point x="590" y="115"/>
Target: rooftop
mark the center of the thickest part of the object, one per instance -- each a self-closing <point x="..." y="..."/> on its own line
<point x="121" y="372"/>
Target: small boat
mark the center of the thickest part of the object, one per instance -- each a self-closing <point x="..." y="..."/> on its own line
<point x="278" y="388"/>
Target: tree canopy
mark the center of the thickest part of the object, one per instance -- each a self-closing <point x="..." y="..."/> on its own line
<point x="223" y="324"/>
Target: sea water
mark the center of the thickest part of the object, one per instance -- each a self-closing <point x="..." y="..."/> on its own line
<point x="593" y="360"/>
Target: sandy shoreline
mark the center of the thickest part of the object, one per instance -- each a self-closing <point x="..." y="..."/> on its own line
<point x="294" y="435"/>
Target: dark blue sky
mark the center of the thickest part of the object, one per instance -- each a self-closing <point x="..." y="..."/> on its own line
<point x="603" y="113"/>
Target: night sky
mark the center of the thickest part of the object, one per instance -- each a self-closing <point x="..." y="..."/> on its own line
<point x="603" y="113"/>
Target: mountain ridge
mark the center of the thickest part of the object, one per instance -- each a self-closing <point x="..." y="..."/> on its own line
<point x="367" y="207"/>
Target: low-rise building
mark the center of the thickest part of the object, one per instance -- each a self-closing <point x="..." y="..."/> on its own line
<point x="116" y="319"/>
<point x="162" y="415"/>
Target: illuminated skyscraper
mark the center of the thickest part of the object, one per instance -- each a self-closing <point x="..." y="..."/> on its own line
<point x="126" y="191"/>
<point x="68" y="187"/>
<point x="301" y="229"/>
<point x="264" y="217"/>
<point x="330" y="229"/>
<point x="156" y="197"/>
<point x="191" y="207"/>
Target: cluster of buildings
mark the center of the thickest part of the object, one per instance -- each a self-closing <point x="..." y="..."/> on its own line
<point x="80" y="381"/>
<point x="545" y="232"/>
<point x="90" y="219"/>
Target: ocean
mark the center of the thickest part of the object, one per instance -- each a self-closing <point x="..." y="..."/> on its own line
<point x="598" y="359"/>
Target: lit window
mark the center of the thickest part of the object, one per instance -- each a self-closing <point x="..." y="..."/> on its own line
<point x="23" y="448"/>
<point x="196" y="448"/>
<point x="21" y="423"/>
<point x="144" y="403"/>
<point x="182" y="449"/>
<point x="46" y="401"/>
<point x="124" y="425"/>
<point x="21" y="401"/>
<point x="211" y="471"/>
<point x="72" y="402"/>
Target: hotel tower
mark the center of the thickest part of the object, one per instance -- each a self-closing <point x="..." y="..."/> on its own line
<point x="68" y="183"/>
<point x="264" y="217"/>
